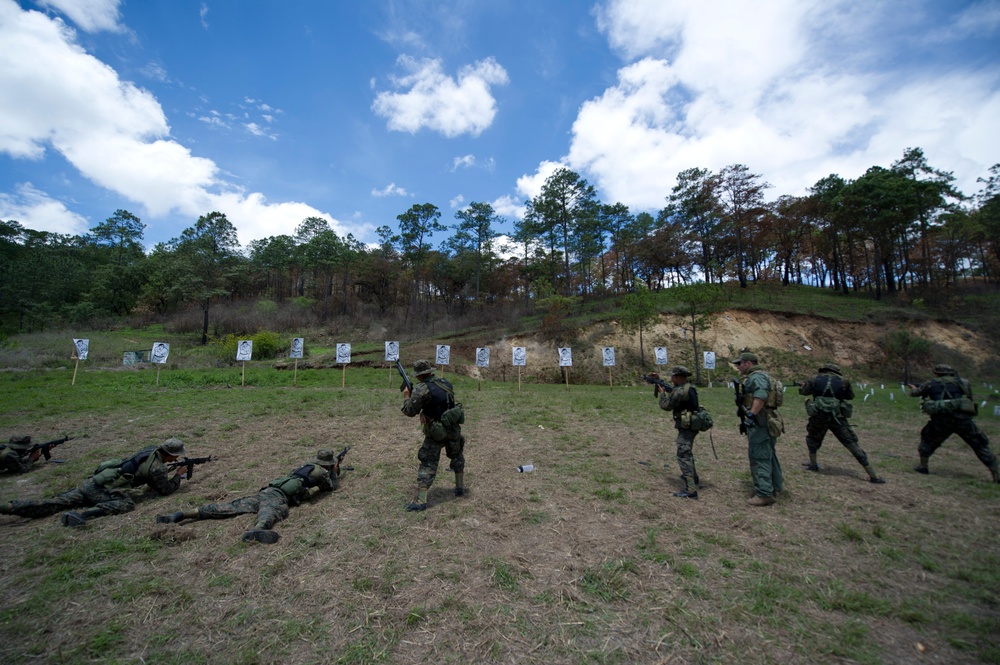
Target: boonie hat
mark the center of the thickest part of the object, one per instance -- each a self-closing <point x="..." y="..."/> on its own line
<point x="679" y="370"/>
<point x="325" y="457"/>
<point x="20" y="440"/>
<point x="830" y="367"/>
<point x="422" y="367"/>
<point x="944" y="370"/>
<point x="173" y="446"/>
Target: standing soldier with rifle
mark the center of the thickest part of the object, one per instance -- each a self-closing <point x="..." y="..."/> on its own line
<point x="682" y="399"/>
<point x="441" y="419"/>
<point x="104" y="492"/>
<point x="760" y="401"/>
<point x="828" y="409"/>
<point x="947" y="399"/>
<point x="271" y="503"/>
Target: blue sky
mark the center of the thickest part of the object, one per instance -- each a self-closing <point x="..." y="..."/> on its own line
<point x="272" y="111"/>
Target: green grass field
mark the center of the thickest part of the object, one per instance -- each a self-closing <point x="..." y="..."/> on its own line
<point x="586" y="560"/>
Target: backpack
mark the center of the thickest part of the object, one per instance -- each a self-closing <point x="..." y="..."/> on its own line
<point x="776" y="395"/>
<point x="825" y="403"/>
<point x="701" y="420"/>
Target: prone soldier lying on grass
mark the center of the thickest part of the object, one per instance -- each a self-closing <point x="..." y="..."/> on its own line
<point x="271" y="504"/>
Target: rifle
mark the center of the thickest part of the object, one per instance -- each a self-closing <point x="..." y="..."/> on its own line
<point x="741" y="411"/>
<point x="655" y="380"/>
<point x="45" y="449"/>
<point x="406" y="380"/>
<point x="190" y="463"/>
<point x="340" y="458"/>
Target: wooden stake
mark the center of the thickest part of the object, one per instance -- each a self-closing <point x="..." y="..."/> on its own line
<point x="243" y="378"/>
<point x="343" y="375"/>
<point x="518" y="378"/>
<point x="157" y="374"/>
<point x="566" y="373"/>
<point x="73" y="383"/>
<point x="610" y="384"/>
<point x="295" y="373"/>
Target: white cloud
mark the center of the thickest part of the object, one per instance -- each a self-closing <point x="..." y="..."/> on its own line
<point x="795" y="90"/>
<point x="56" y="96"/>
<point x="203" y="15"/>
<point x="450" y="106"/>
<point x="88" y="15"/>
<point x="469" y="161"/>
<point x="530" y="186"/>
<point x="465" y="161"/>
<point x="457" y="201"/>
<point x="508" y="207"/>
<point x="35" y="210"/>
<point x="389" y="190"/>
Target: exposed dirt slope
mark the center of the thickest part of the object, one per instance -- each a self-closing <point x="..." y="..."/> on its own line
<point x="779" y="338"/>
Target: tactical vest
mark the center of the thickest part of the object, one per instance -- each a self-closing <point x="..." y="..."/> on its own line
<point x="442" y="398"/>
<point x="296" y="483"/>
<point x="775" y="392"/>
<point x="132" y="471"/>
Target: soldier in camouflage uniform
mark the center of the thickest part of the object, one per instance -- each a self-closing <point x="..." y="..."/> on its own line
<point x="682" y="400"/>
<point x="828" y="391"/>
<point x="14" y="457"/>
<point x="105" y="492"/>
<point x="432" y="397"/>
<point x="949" y="390"/>
<point x="760" y="407"/>
<point x="271" y="503"/>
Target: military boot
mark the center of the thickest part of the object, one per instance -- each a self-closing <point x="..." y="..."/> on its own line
<point x="172" y="518"/>
<point x="922" y="466"/>
<point x="6" y="508"/>
<point x="874" y="477"/>
<point x="72" y="518"/>
<point x="459" y="484"/>
<point x="995" y="472"/>
<point x="265" y="536"/>
<point x="761" y="501"/>
<point x="420" y="503"/>
<point x="812" y="465"/>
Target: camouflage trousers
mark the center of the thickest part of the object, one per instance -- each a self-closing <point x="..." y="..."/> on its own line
<point x="270" y="504"/>
<point x="765" y="469"/>
<point x="816" y="430"/>
<point x="103" y="501"/>
<point x="685" y="452"/>
<point x="940" y="428"/>
<point x="430" y="454"/>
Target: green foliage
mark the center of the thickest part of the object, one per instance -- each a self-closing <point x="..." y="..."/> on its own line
<point x="266" y="346"/>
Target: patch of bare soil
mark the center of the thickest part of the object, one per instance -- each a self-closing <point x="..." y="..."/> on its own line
<point x="805" y="338"/>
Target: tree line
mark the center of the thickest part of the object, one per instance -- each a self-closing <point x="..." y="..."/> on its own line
<point x="893" y="228"/>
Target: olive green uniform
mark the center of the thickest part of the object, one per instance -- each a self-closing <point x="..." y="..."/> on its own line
<point x="14" y="456"/>
<point x="765" y="468"/>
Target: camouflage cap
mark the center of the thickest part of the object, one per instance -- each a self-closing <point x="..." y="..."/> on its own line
<point x="173" y="446"/>
<point x="422" y="367"/>
<point x="20" y="440"/>
<point x="944" y="370"/>
<point x="325" y="457"/>
<point x="746" y="355"/>
<point x="679" y="370"/>
<point x="830" y="367"/>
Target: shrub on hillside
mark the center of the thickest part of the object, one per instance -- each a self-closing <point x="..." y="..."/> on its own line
<point x="266" y="346"/>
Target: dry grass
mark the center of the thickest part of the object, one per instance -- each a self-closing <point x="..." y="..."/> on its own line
<point x="588" y="559"/>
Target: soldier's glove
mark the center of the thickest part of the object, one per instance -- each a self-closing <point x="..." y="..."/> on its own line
<point x="749" y="421"/>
